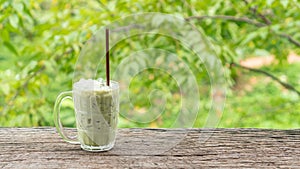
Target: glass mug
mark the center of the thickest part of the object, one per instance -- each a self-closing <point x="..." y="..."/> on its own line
<point x="96" y="110"/>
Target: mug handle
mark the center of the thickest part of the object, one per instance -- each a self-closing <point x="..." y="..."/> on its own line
<point x="60" y="98"/>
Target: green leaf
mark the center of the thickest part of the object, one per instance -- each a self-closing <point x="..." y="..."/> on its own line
<point x="270" y="2"/>
<point x="11" y="47"/>
<point x="263" y="33"/>
<point x="249" y="38"/>
<point x="26" y="10"/>
<point x="233" y="29"/>
<point x="284" y="3"/>
<point x="14" y="20"/>
<point x="5" y="35"/>
<point x="5" y="88"/>
<point x="18" y="7"/>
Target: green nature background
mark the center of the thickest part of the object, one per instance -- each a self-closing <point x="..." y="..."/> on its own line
<point x="40" y="41"/>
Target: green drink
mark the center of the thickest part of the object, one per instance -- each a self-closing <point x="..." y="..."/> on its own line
<point x="96" y="108"/>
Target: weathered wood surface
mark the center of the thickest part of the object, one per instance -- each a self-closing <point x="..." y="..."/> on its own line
<point x="154" y="148"/>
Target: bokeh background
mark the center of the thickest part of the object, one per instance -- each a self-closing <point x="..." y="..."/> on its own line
<point x="40" y="42"/>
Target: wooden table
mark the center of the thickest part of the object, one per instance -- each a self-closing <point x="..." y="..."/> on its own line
<point x="154" y="148"/>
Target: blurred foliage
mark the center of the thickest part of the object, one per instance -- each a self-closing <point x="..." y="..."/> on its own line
<point x="41" y="40"/>
<point x="259" y="102"/>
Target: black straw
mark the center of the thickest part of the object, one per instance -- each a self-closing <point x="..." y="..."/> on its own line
<point x="107" y="56"/>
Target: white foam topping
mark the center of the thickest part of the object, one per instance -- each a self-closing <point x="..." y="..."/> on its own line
<point x="91" y="84"/>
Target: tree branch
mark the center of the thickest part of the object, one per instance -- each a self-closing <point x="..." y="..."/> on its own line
<point x="24" y="85"/>
<point x="285" y="85"/>
<point x="226" y="17"/>
<point x="246" y="20"/>
<point x="257" y="24"/>
<point x="290" y="38"/>
<point x="260" y="15"/>
<point x="268" y="22"/>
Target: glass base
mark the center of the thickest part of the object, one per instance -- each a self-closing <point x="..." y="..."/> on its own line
<point x="97" y="148"/>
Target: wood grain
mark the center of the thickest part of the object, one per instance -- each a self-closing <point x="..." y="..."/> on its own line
<point x="154" y="148"/>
